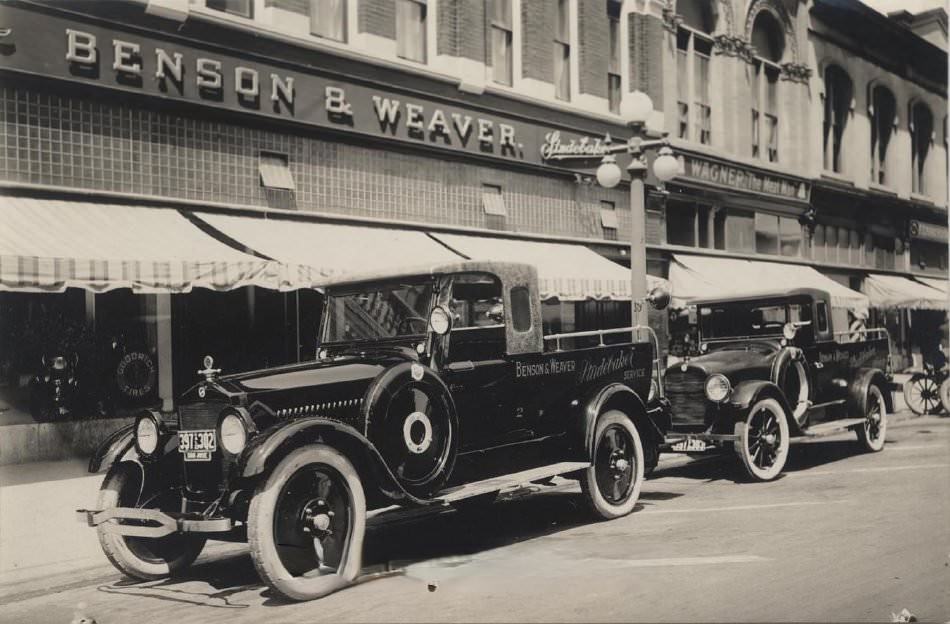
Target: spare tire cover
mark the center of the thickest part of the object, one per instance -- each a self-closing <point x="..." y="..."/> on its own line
<point x="412" y="422"/>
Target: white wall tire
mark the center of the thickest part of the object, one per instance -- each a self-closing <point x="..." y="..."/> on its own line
<point x="763" y="440"/>
<point x="306" y="524"/>
<point x="611" y="486"/>
<point x="140" y="557"/>
<point x="872" y="433"/>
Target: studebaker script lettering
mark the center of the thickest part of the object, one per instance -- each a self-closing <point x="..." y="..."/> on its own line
<point x="610" y="364"/>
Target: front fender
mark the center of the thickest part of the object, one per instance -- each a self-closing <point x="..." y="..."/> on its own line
<point x="858" y="391"/>
<point x="112" y="448"/>
<point x="272" y="445"/>
<point x="747" y="393"/>
<point x="616" y="396"/>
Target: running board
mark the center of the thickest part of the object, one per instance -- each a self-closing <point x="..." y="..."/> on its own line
<point x="832" y="427"/>
<point x="497" y="484"/>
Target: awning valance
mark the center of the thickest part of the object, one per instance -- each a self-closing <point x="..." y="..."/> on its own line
<point x="708" y="277"/>
<point x="315" y="254"/>
<point x="566" y="271"/>
<point x="894" y="291"/>
<point x="50" y="245"/>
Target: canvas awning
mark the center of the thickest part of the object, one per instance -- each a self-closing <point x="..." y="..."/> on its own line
<point x="566" y="271"/>
<point x="314" y="254"/>
<point x="707" y="277"/>
<point x="50" y="245"/>
<point x="894" y="291"/>
<point x="940" y="284"/>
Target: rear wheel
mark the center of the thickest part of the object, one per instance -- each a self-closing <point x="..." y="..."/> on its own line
<point x="306" y="524"/>
<point x="142" y="557"/>
<point x="612" y="484"/>
<point x="763" y="440"/>
<point x="922" y="394"/>
<point x="871" y="434"/>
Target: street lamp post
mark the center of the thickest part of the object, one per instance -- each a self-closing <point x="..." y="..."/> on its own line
<point x="636" y="109"/>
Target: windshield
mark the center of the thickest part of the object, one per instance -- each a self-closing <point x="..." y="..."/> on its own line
<point x="378" y="312"/>
<point x="746" y="319"/>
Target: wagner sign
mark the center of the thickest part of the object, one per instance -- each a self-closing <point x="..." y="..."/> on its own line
<point x="738" y="178"/>
<point x="49" y="44"/>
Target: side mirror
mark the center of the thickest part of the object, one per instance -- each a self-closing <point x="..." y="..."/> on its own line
<point x="659" y="298"/>
<point x="440" y="320"/>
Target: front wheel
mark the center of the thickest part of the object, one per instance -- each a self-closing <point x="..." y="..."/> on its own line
<point x="612" y="484"/>
<point x="872" y="432"/>
<point x="921" y="394"/>
<point x="142" y="557"/>
<point x="306" y="524"/>
<point x="763" y="440"/>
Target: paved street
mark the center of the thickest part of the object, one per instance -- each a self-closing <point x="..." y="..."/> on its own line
<point x="843" y="536"/>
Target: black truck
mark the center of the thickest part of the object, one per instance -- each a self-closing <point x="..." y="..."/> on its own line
<point x="430" y="388"/>
<point x="772" y="367"/>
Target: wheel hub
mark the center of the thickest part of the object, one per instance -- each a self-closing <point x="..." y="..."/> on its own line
<point x="768" y="438"/>
<point x="316" y="518"/>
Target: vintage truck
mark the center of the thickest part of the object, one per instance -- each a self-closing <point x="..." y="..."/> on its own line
<point x="772" y="367"/>
<point x="430" y="388"/>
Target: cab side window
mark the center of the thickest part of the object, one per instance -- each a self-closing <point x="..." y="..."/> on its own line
<point x="520" y="309"/>
<point x="822" y="313"/>
<point x="478" y="318"/>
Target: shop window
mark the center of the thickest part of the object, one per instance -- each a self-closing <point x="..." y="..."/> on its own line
<point x="838" y="96"/>
<point x="883" y="112"/>
<point x="740" y="234"/>
<point x="928" y="255"/>
<point x="681" y="224"/>
<point x="921" y="132"/>
<point x="275" y="172"/>
<point x="768" y="41"/>
<point x="493" y="202"/>
<point x="694" y="49"/>
<point x="562" y="50"/>
<point x="883" y="252"/>
<point x="777" y="235"/>
<point x="328" y="19"/>
<point x="608" y="219"/>
<point x="501" y="29"/>
<point x="234" y="7"/>
<point x="411" y="30"/>
<point x="818" y="243"/>
<point x="613" y="60"/>
<point x="520" y="309"/>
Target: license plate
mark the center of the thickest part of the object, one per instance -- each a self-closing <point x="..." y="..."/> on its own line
<point x="690" y="446"/>
<point x="197" y="445"/>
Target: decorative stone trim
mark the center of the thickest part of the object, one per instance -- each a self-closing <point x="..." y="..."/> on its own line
<point x="796" y="72"/>
<point x="732" y="45"/>
<point x="671" y="19"/>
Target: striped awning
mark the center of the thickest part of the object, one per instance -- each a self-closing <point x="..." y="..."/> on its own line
<point x="568" y="272"/>
<point x="896" y="292"/>
<point x="50" y="245"/>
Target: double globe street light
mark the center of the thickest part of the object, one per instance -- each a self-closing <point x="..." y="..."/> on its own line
<point x="636" y="109"/>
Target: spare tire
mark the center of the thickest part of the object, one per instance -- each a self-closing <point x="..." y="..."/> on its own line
<point x="790" y="374"/>
<point x="413" y="424"/>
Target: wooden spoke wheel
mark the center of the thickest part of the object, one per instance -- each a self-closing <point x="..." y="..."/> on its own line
<point x="143" y="557"/>
<point x="306" y="524"/>
<point x="763" y="440"/>
<point x="922" y="394"/>
<point x="871" y="434"/>
<point x="612" y="484"/>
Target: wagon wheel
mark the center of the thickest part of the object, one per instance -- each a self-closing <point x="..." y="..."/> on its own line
<point x="872" y="432"/>
<point x="306" y="524"/>
<point x="763" y="440"/>
<point x="922" y="394"/>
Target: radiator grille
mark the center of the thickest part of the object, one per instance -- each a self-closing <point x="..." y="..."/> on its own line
<point x="204" y="478"/>
<point x="687" y="395"/>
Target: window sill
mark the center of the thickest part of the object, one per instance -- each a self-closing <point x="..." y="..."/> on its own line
<point x="837" y="177"/>
<point x="924" y="199"/>
<point x="880" y="188"/>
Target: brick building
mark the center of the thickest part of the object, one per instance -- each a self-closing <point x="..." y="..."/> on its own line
<point x="441" y="116"/>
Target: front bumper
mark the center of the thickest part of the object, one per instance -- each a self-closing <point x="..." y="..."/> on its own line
<point x="151" y="522"/>
<point x="712" y="439"/>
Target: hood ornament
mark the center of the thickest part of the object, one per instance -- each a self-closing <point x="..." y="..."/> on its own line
<point x="208" y="371"/>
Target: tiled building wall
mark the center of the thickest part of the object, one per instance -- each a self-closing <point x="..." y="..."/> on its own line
<point x="65" y="141"/>
<point x="537" y="37"/>
<point x="377" y="17"/>
<point x="592" y="39"/>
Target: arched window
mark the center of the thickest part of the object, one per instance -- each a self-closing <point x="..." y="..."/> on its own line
<point x="838" y="95"/>
<point x="921" y="131"/>
<point x="693" y="50"/>
<point x="768" y="41"/>
<point x="883" y="113"/>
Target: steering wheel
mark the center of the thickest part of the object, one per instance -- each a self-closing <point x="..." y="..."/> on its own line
<point x="405" y="325"/>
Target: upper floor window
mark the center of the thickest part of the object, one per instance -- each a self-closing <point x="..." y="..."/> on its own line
<point x="613" y="60"/>
<point x="562" y="50"/>
<point x="883" y="115"/>
<point x="777" y="235"/>
<point x="769" y="44"/>
<point x="921" y="131"/>
<point x="838" y="96"/>
<point x="328" y="19"/>
<point x="234" y="7"/>
<point x="411" y="30"/>
<point x="501" y="28"/>
<point x="693" y="50"/>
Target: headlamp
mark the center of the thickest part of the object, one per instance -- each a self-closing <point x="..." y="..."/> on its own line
<point x="147" y="434"/>
<point x="718" y="388"/>
<point x="232" y="433"/>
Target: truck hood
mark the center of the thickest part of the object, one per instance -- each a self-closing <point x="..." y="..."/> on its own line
<point x="737" y="361"/>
